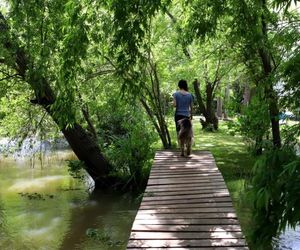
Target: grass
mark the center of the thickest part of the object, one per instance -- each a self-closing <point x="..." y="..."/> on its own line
<point x="233" y="160"/>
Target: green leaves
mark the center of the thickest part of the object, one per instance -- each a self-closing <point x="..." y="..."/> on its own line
<point x="203" y="17"/>
<point x="275" y="187"/>
<point x="131" y="24"/>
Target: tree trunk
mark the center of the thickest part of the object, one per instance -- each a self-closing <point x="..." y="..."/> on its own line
<point x="226" y="99"/>
<point x="246" y="95"/>
<point x="211" y="121"/>
<point x="83" y="145"/>
<point x="161" y="129"/>
<point x="87" y="151"/>
<point x="219" y="107"/>
<point x="267" y="68"/>
<point x="199" y="99"/>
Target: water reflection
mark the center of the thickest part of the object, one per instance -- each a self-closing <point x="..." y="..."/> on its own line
<point x="45" y="208"/>
<point x="109" y="216"/>
<point x="289" y="240"/>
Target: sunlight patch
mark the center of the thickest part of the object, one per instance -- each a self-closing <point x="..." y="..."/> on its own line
<point x="37" y="183"/>
<point x="43" y="230"/>
<point x="207" y="145"/>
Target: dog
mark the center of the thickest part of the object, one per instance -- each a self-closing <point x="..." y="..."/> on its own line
<point x="185" y="136"/>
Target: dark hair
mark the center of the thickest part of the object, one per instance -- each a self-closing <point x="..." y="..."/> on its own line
<point x="182" y="84"/>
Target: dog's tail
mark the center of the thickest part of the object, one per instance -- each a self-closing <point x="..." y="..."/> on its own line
<point x="185" y="122"/>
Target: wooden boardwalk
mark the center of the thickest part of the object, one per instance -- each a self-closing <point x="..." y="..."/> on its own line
<point x="186" y="205"/>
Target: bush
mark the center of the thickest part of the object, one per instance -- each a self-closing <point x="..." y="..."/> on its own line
<point x="126" y="142"/>
<point x="254" y="124"/>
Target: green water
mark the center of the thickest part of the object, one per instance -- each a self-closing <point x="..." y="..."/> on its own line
<point x="43" y="207"/>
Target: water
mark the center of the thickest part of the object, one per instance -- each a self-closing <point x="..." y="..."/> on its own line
<point x="289" y="240"/>
<point x="42" y="207"/>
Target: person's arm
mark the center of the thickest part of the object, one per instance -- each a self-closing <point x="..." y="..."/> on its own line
<point x="174" y="100"/>
<point x="191" y="107"/>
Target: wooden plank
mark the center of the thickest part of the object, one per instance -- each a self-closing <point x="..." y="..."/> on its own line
<point x="182" y="172"/>
<point x="190" y="221"/>
<point x="201" y="168"/>
<point x="185" y="186"/>
<point x="187" y="176"/>
<point x="191" y="205"/>
<point x="187" y="243"/>
<point x="185" y="171"/>
<point x="201" y="215"/>
<point x="185" y="235"/>
<point x="183" y="192"/>
<point x="190" y="196"/>
<point x="188" y="201"/>
<point x="187" y="210"/>
<point x="186" y="228"/>
<point x="168" y="163"/>
<point x="190" y="190"/>
<point x="175" y="160"/>
<point x="183" y="181"/>
<point x="179" y="162"/>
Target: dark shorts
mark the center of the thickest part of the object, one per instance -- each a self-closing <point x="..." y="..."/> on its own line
<point x="177" y="118"/>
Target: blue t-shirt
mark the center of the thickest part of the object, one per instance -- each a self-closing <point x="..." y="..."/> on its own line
<point x="183" y="103"/>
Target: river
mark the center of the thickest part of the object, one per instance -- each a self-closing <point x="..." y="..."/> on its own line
<point x="43" y="207"/>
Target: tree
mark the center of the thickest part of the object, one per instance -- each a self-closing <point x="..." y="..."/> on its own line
<point x="25" y="67"/>
<point x="153" y="102"/>
<point x="46" y="45"/>
<point x="215" y="66"/>
<point x="252" y="28"/>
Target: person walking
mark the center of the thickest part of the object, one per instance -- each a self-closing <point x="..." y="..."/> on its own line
<point x="183" y="102"/>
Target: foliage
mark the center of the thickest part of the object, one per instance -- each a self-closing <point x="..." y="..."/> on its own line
<point x="20" y="119"/>
<point x="36" y="196"/>
<point x="291" y="92"/>
<point x="275" y="191"/>
<point x="126" y="136"/>
<point x="253" y="124"/>
<point x="128" y="147"/>
<point x="104" y="237"/>
<point x="75" y="168"/>
<point x="234" y="105"/>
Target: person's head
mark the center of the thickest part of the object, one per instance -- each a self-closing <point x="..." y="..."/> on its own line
<point x="182" y="84"/>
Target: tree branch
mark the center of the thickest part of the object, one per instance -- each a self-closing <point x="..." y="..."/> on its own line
<point x="99" y="73"/>
<point x="8" y="77"/>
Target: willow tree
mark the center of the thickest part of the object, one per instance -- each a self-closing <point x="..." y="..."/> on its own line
<point x="45" y="44"/>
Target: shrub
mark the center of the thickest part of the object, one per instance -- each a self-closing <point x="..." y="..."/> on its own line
<point x="126" y="139"/>
<point x="254" y="124"/>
